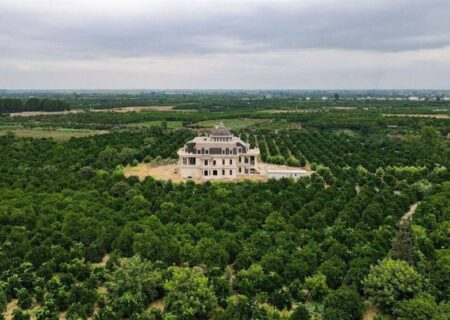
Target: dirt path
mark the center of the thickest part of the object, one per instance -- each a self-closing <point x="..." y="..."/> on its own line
<point x="10" y="308"/>
<point x="410" y="212"/>
<point x="103" y="262"/>
<point x="157" y="304"/>
<point x="370" y="313"/>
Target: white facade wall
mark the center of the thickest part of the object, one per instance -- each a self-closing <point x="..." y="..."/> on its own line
<point x="217" y="157"/>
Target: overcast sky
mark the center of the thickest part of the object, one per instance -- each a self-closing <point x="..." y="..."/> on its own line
<point x="157" y="44"/>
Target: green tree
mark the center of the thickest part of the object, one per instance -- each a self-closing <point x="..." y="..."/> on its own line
<point x="404" y="245"/>
<point x="391" y="281"/>
<point x="343" y="304"/>
<point x="300" y="313"/>
<point x="243" y="308"/>
<point x="132" y="286"/>
<point x="317" y="286"/>
<point x="421" y="307"/>
<point x="188" y="294"/>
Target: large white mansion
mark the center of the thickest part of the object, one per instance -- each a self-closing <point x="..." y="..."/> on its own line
<point x="217" y="156"/>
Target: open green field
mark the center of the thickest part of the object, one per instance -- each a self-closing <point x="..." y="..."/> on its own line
<point x="58" y="135"/>
<point x="231" y="123"/>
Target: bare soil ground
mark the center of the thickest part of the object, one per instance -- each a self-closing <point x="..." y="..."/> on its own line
<point x="410" y="212"/>
<point x="436" y="116"/>
<point x="157" y="171"/>
<point x="170" y="172"/>
<point x="103" y="262"/>
<point x="157" y="304"/>
<point x="40" y="113"/>
<point x="135" y="108"/>
<point x="370" y="313"/>
<point x="10" y="308"/>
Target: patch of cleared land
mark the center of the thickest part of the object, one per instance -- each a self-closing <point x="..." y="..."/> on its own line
<point x="157" y="304"/>
<point x="306" y="110"/>
<point x="143" y="108"/>
<point x="230" y="123"/>
<point x="410" y="212"/>
<point x="58" y="135"/>
<point x="41" y="113"/>
<point x="288" y="110"/>
<point x="170" y="172"/>
<point x="10" y="308"/>
<point x="436" y="116"/>
<point x="371" y="312"/>
<point x="135" y="108"/>
<point x="119" y="110"/>
<point x="157" y="123"/>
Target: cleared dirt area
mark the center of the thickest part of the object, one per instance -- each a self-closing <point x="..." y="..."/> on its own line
<point x="157" y="171"/>
<point x="10" y="308"/>
<point x="170" y="172"/>
<point x="435" y="116"/>
<point x="41" y="113"/>
<point x="143" y="108"/>
<point x="343" y="108"/>
<point x="135" y="108"/>
<point x="157" y="304"/>
<point x="370" y="313"/>
<point x="410" y="212"/>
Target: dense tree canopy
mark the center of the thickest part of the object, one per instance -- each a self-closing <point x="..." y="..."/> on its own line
<point x="80" y="238"/>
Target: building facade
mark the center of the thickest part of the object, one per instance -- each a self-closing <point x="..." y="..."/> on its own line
<point x="219" y="155"/>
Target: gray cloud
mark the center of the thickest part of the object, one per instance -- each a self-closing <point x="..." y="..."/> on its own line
<point x="386" y="26"/>
<point x="225" y="44"/>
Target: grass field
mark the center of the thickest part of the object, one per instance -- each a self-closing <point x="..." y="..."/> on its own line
<point x="58" y="135"/>
<point x="231" y="123"/>
<point x="157" y="123"/>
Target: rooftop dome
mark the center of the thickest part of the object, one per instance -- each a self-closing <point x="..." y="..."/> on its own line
<point x="220" y="131"/>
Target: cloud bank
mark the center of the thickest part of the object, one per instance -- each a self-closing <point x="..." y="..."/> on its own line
<point x="225" y="44"/>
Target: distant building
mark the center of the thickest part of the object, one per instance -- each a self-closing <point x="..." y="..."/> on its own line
<point x="413" y="98"/>
<point x="219" y="155"/>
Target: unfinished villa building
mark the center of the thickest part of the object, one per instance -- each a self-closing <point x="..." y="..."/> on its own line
<point x="217" y="156"/>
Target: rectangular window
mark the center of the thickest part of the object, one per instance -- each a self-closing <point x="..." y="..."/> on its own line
<point x="206" y="151"/>
<point x="231" y="161"/>
<point x="205" y="173"/>
<point x="192" y="161"/>
<point x="214" y="162"/>
<point x="206" y="162"/>
<point x="223" y="161"/>
<point x="214" y="172"/>
<point x="231" y="172"/>
<point x="223" y="172"/>
<point x="184" y="161"/>
<point x="240" y="169"/>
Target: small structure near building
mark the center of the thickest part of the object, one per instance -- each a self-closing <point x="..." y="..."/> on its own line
<point x="285" y="173"/>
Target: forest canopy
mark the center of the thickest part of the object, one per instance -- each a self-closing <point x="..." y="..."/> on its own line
<point x="369" y="230"/>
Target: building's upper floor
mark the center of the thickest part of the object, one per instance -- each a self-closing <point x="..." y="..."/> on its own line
<point x="219" y="142"/>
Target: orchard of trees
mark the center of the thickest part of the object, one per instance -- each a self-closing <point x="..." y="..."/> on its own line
<point x="80" y="239"/>
<point x="10" y="105"/>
